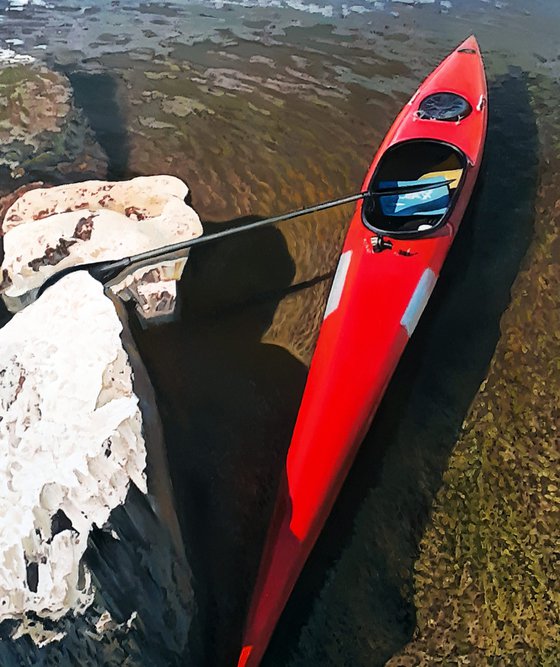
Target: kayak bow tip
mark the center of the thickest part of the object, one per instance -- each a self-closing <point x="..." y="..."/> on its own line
<point x="470" y="44"/>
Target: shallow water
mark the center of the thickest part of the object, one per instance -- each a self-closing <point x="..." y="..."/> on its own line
<point x="262" y="107"/>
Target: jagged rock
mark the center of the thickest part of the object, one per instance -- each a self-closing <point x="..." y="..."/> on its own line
<point x="71" y="444"/>
<point x="72" y="452"/>
<point x="49" y="229"/>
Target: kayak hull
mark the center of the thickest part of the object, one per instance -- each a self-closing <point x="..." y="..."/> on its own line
<point x="374" y="305"/>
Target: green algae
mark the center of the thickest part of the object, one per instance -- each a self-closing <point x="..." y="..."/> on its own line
<point x="41" y="131"/>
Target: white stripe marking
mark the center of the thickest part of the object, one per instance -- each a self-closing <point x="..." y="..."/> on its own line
<point x="418" y="301"/>
<point x="338" y="283"/>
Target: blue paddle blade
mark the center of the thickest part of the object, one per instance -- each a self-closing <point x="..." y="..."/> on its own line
<point x="432" y="201"/>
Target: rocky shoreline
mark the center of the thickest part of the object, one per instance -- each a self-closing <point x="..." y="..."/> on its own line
<point x="82" y="452"/>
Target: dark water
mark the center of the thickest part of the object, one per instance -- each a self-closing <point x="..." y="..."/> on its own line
<point x="260" y="110"/>
<point x="228" y="409"/>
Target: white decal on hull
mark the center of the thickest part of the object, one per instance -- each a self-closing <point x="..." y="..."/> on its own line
<point x="418" y="301"/>
<point x="338" y="283"/>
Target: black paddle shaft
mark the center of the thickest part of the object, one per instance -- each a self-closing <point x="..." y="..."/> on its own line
<point x="108" y="270"/>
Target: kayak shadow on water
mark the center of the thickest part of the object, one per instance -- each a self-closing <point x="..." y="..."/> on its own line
<point x="363" y="562"/>
<point x="228" y="405"/>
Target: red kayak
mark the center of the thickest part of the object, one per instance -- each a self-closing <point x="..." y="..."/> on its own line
<point x="395" y="247"/>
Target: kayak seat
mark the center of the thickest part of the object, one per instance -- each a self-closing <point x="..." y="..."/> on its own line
<point x="432" y="201"/>
<point x="453" y="175"/>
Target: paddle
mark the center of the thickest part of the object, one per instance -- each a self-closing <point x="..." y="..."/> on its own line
<point x="108" y="271"/>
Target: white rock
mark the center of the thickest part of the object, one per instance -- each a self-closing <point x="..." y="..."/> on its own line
<point x="70" y="442"/>
<point x="49" y="229"/>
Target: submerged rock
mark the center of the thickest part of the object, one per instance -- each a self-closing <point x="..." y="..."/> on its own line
<point x="41" y="130"/>
<point x="49" y="229"/>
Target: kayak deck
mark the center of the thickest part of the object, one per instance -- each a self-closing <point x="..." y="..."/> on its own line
<point x="377" y="297"/>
